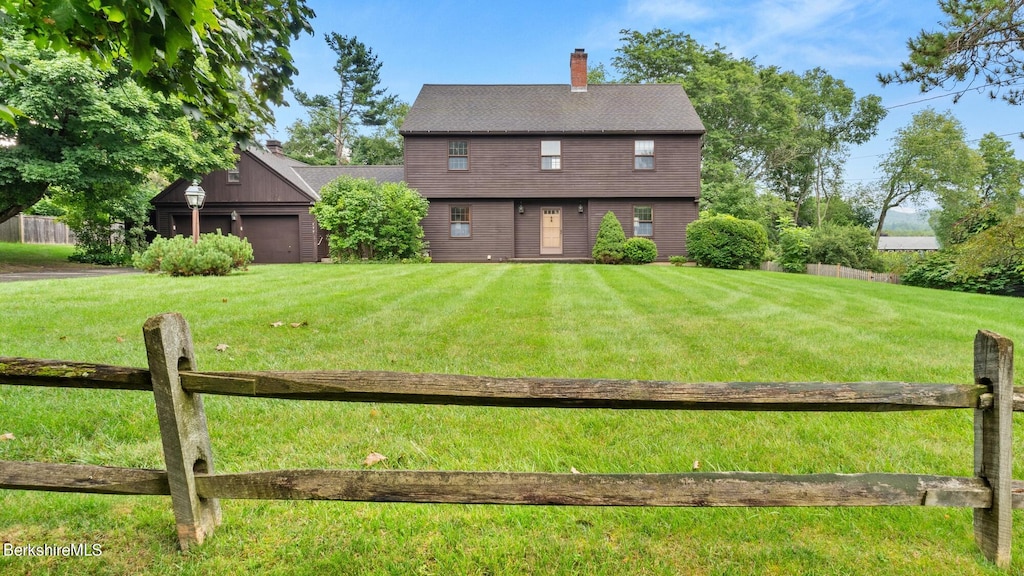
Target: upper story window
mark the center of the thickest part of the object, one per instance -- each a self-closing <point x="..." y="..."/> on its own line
<point x="458" y="155"/>
<point x="234" y="176"/>
<point x="461" y="222"/>
<point x="643" y="221"/>
<point x="550" y="154"/>
<point x="643" y="155"/>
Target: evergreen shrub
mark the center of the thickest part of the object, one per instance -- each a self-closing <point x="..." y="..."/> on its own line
<point x="608" y="246"/>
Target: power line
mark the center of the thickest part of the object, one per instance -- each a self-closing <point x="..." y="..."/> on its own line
<point x="957" y="94"/>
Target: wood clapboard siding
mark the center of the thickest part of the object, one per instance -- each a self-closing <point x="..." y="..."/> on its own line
<point x="491" y="231"/>
<point x="592" y="167"/>
<point x="670" y="220"/>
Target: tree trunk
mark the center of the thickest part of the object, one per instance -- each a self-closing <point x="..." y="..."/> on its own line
<point x="881" y="222"/>
<point x="8" y="212"/>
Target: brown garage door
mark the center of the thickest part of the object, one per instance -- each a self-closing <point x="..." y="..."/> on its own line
<point x="274" y="239"/>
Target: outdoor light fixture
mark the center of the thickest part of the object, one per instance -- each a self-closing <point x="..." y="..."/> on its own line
<point x="521" y="208"/>
<point x="195" y="197"/>
<point x="581" y="208"/>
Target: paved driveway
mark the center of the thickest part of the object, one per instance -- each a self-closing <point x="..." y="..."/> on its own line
<point x="64" y="273"/>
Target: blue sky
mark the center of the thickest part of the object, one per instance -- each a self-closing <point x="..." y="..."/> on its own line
<point x="529" y="42"/>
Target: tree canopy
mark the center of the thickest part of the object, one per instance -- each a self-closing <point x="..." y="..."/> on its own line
<point x="358" y="100"/>
<point x="980" y="40"/>
<point x="93" y="133"/>
<point x="767" y="128"/>
<point x="198" y="52"/>
<point x="928" y="156"/>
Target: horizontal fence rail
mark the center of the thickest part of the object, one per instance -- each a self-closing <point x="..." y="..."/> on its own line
<point x="195" y="488"/>
<point x="697" y="489"/>
<point x="398" y="387"/>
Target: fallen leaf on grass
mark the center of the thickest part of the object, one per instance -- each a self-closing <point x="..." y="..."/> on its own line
<point x="277" y="324"/>
<point x="120" y="339"/>
<point x="298" y="324"/>
<point x="221" y="347"/>
<point x="574" y="470"/>
<point x="696" y="464"/>
<point x="7" y="436"/>
<point x="374" y="458"/>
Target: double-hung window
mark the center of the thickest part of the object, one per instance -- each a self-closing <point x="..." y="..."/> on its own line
<point x="643" y="155"/>
<point x="458" y="155"/>
<point x="461" y="222"/>
<point x="550" y="154"/>
<point x="643" y="221"/>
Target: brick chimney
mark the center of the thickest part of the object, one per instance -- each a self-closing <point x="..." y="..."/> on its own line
<point x="578" y="69"/>
<point x="274" y="147"/>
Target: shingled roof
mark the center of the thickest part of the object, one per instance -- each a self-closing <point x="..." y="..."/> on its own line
<point x="552" y="109"/>
<point x="310" y="179"/>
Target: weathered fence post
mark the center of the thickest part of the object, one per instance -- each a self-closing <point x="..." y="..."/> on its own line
<point x="186" y="441"/>
<point x="993" y="456"/>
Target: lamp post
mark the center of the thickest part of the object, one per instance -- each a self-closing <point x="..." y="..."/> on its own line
<point x="195" y="197"/>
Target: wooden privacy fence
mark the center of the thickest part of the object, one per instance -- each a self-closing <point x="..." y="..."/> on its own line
<point x="194" y="486"/>
<point x="838" y="271"/>
<point x="26" y="229"/>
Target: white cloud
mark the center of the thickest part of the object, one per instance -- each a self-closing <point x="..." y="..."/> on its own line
<point x="682" y="10"/>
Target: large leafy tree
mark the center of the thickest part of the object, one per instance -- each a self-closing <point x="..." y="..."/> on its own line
<point x="831" y="119"/>
<point x="199" y="52"/>
<point x="992" y="198"/>
<point x="94" y="134"/>
<point x="359" y="99"/>
<point x="766" y="128"/>
<point x="311" y="140"/>
<point x="928" y="157"/>
<point x="980" y="40"/>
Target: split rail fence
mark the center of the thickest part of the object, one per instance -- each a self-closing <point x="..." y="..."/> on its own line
<point x="195" y="488"/>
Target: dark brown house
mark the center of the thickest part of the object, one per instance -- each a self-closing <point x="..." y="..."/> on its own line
<point x="528" y="171"/>
<point x="266" y="199"/>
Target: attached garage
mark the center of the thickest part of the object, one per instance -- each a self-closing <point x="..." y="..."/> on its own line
<point x="263" y="200"/>
<point x="266" y="199"/>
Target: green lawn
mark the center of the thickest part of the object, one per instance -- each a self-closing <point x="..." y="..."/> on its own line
<point x="31" y="257"/>
<point x="652" y="322"/>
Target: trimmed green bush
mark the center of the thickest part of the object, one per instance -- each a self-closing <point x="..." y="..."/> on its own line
<point x="678" y="260"/>
<point x="214" y="255"/>
<point x="639" y="250"/>
<point x="725" y="241"/>
<point x="610" y="240"/>
<point x="371" y="220"/>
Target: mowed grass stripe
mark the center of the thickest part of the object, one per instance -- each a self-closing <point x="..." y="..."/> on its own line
<point x="695" y="325"/>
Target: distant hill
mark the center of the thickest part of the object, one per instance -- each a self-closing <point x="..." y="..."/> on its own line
<point x="907" y="224"/>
